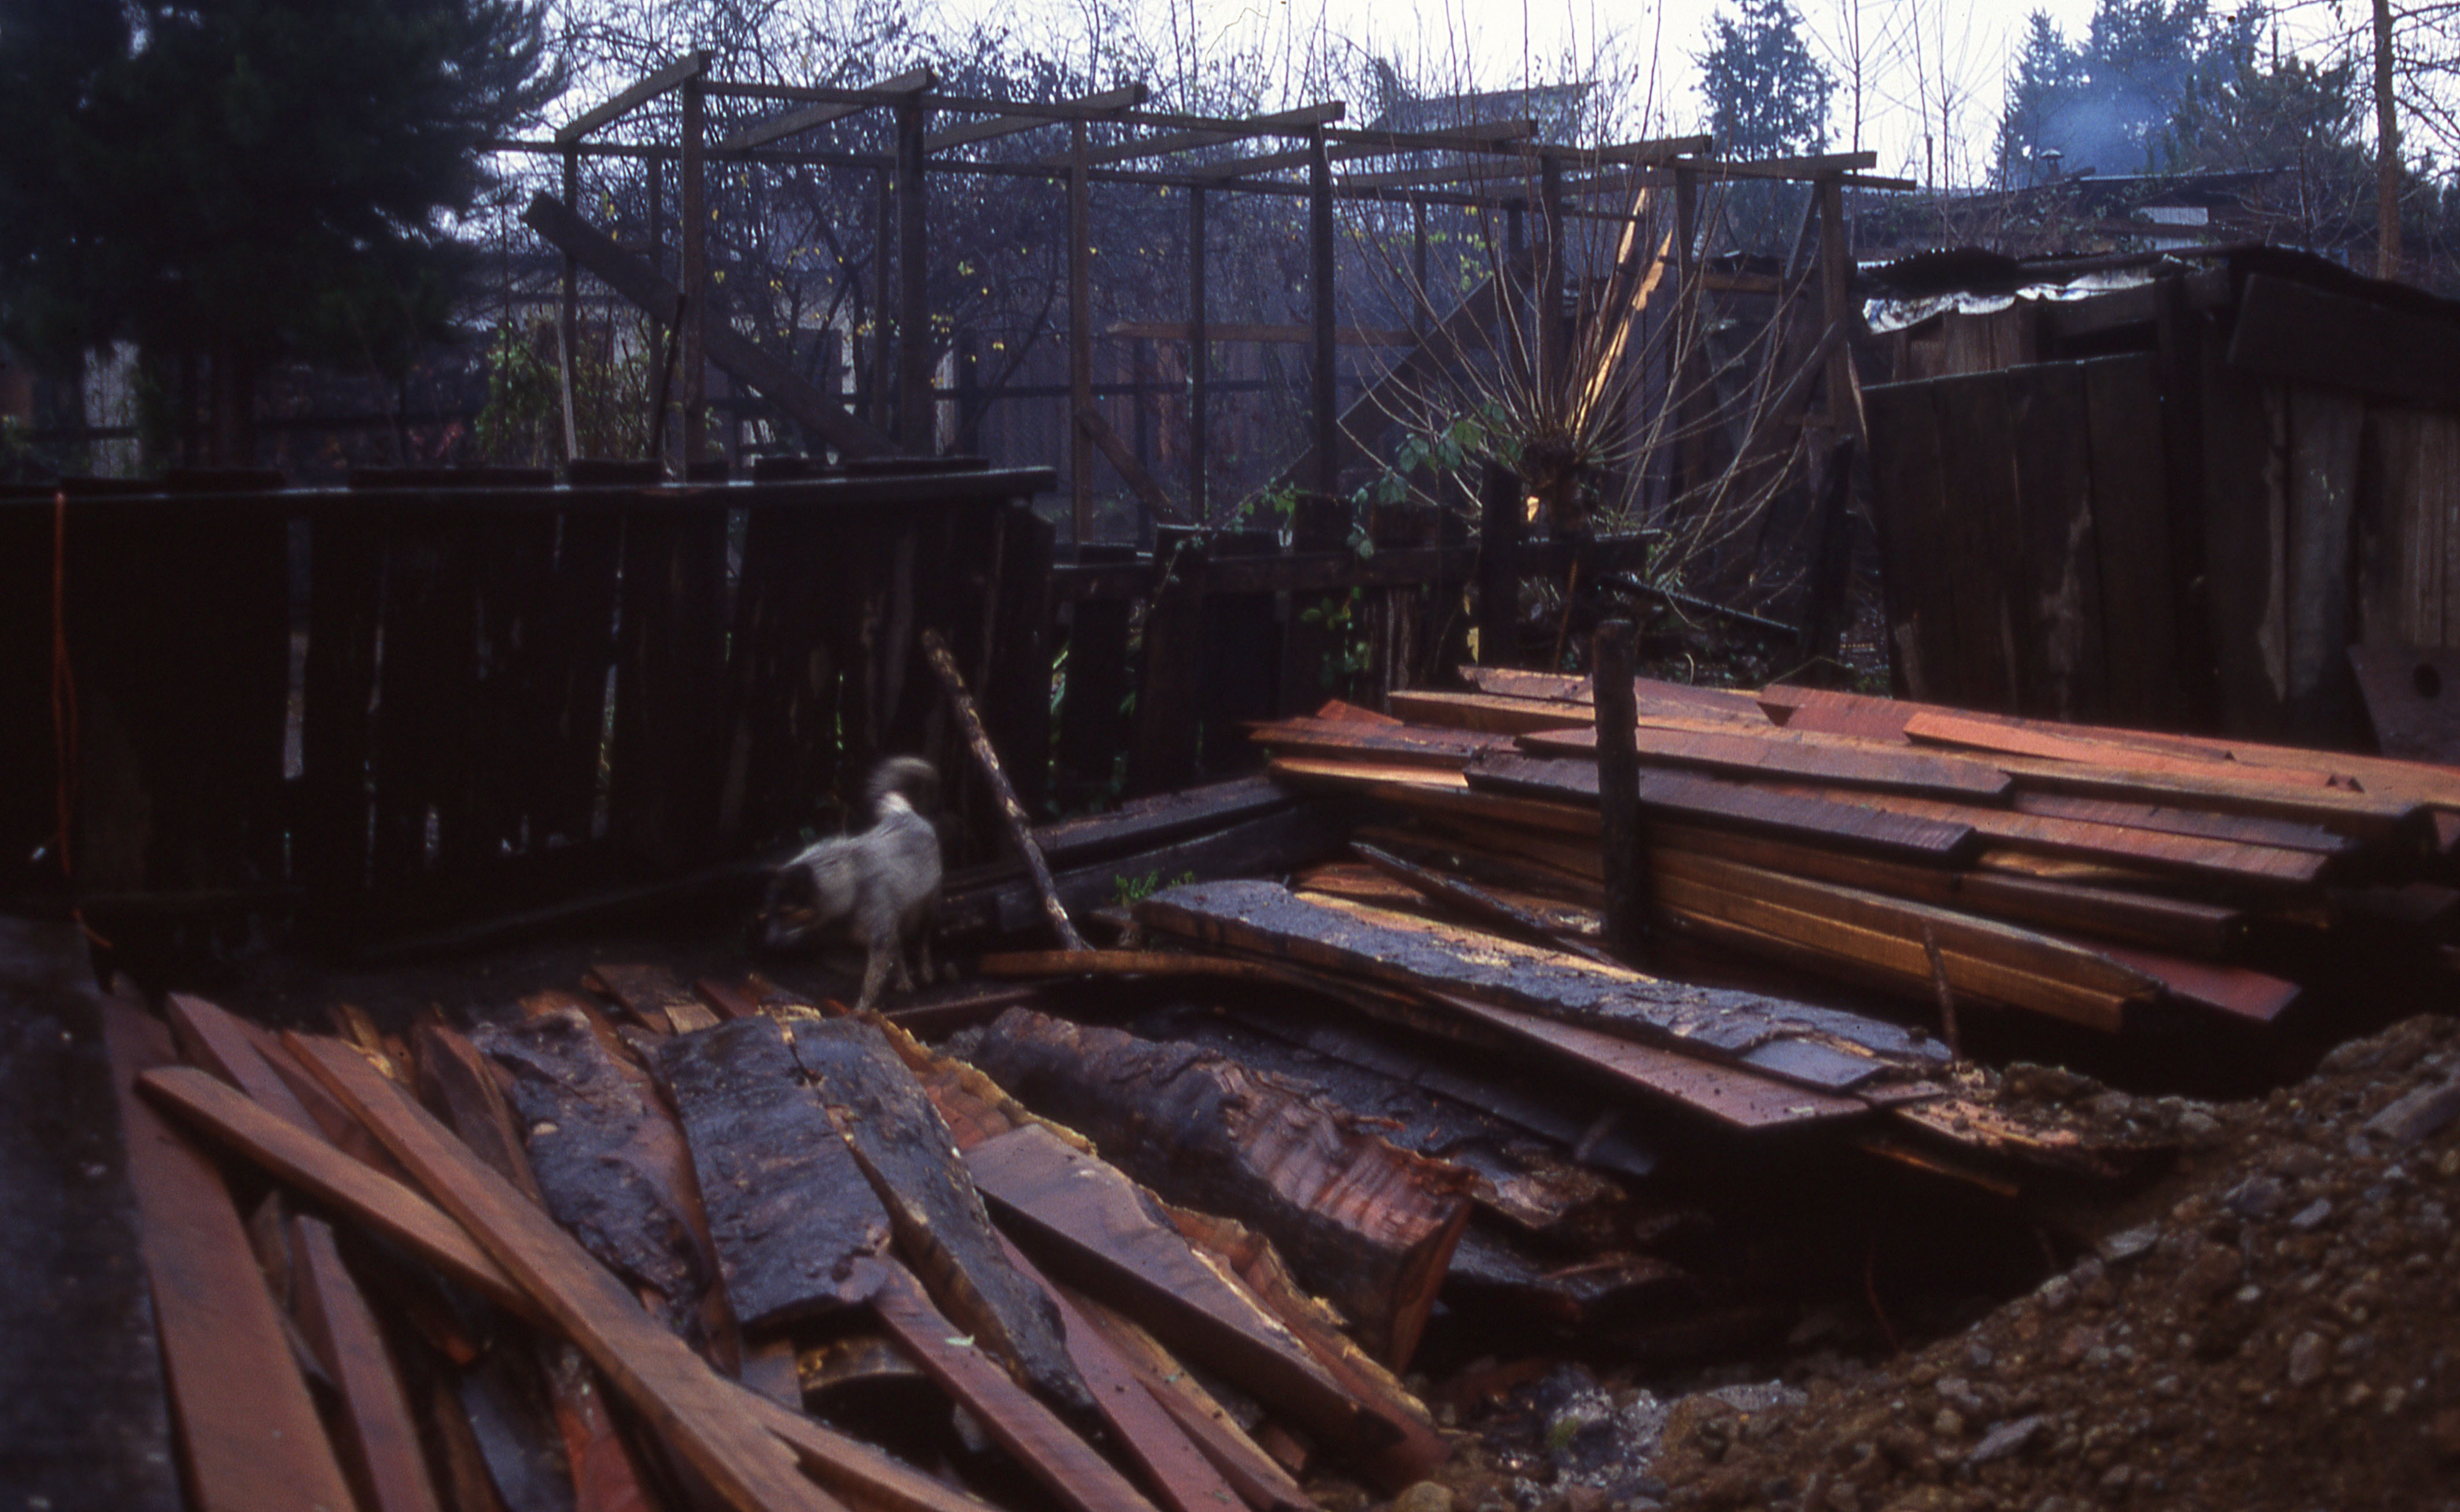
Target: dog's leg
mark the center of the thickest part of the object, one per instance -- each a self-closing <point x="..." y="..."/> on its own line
<point x="875" y="976"/>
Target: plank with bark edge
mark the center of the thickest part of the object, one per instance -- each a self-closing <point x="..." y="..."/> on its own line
<point x="1019" y="1424"/>
<point x="692" y="1408"/>
<point x="1098" y="1229"/>
<point x="789" y="1212"/>
<point x="1366" y="1223"/>
<point x="311" y="1165"/>
<point x="905" y="1149"/>
<point x="249" y="1433"/>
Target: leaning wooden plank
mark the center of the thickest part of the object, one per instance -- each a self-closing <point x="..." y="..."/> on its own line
<point x="653" y="994"/>
<point x="379" y="1435"/>
<point x="1065" y="1464"/>
<point x="212" y="1039"/>
<point x="1100" y="1230"/>
<point x="867" y="1477"/>
<point x="1756" y="808"/>
<point x="695" y="1411"/>
<point x="459" y="1086"/>
<point x="1364" y="1223"/>
<point x="903" y="1147"/>
<point x="605" y="1152"/>
<point x="248" y="1431"/>
<point x="1750" y="756"/>
<point x="2236" y="991"/>
<point x="1257" y="1478"/>
<point x="315" y="1167"/>
<point x="1720" y="1024"/>
<point x="1142" y="824"/>
<point x="2221" y="860"/>
<point x="1175" y="1470"/>
<point x="788" y="1210"/>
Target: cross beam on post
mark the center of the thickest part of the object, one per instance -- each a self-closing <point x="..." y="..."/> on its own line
<point x="794" y="123"/>
<point x="917" y="413"/>
<point x="691" y="66"/>
<point x="1326" y="397"/>
<point x="695" y="271"/>
<point x="1107" y="102"/>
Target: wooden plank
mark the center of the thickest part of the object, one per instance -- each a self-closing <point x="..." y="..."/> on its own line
<point x="1364" y="1223"/>
<point x="1164" y="754"/>
<point x="2059" y="611"/>
<point x="789" y="1212"/>
<point x="2325" y="430"/>
<point x="1257" y="1478"/>
<point x="651" y="994"/>
<point x="904" y="1149"/>
<point x="2130" y="526"/>
<point x="2290" y="329"/>
<point x="1706" y="1022"/>
<point x="312" y="1166"/>
<point x="1098" y="1229"/>
<point x="1777" y="755"/>
<point x="692" y="1408"/>
<point x="249" y="1436"/>
<point x="1941" y="727"/>
<point x="1407" y="745"/>
<point x="212" y="1039"/>
<point x="2236" y="991"/>
<point x="1492" y="713"/>
<point x="1891" y="829"/>
<point x="1038" y="1442"/>
<point x="458" y="1086"/>
<point x="1983" y="544"/>
<point x="1173" y="1469"/>
<point x="2176" y="819"/>
<point x="379" y="1437"/>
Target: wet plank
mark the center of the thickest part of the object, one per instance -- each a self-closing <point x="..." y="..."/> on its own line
<point x="249" y="1436"/>
<point x="903" y="1146"/>
<point x="695" y="1411"/>
<point x="1098" y="1229"/>
<point x="1364" y="1223"/>
<point x="460" y="1087"/>
<point x="653" y="994"/>
<point x="789" y="1212"/>
<point x="378" y="1435"/>
<point x="1257" y="1478"/>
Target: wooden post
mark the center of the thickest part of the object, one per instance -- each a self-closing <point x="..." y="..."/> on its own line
<point x="1551" y="268"/>
<point x="1020" y="827"/>
<point x="875" y="371"/>
<point x="695" y="271"/>
<point x="917" y="429"/>
<point x="1501" y="514"/>
<point x="1423" y="314"/>
<point x="2386" y="148"/>
<point x="1199" y="360"/>
<point x="1610" y="670"/>
<point x="568" y="331"/>
<point x="1690" y="371"/>
<point x="1080" y="333"/>
<point x="1320" y="282"/>
<point x="1835" y="302"/>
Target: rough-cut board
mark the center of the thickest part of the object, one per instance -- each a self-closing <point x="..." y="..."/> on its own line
<point x="1651" y="693"/>
<point x="379" y="1437"/>
<point x="1492" y="713"/>
<point x="1938" y="727"/>
<point x="311" y="1165"/>
<point x="1776" y="755"/>
<point x="696" y="1412"/>
<point x="903" y="1146"/>
<point x="251" y="1060"/>
<point x="1738" y="805"/>
<point x="2179" y="819"/>
<point x="459" y="1086"/>
<point x="1173" y="1469"/>
<point x="606" y="1154"/>
<point x="1709" y="1022"/>
<point x="1101" y="1231"/>
<point x="1366" y="1224"/>
<point x="789" y="1212"/>
<point x="1400" y="744"/>
<point x="248" y="1432"/>
<point x="1142" y="824"/>
<point x="1033" y="1436"/>
<point x="652" y="995"/>
<point x="1257" y="1478"/>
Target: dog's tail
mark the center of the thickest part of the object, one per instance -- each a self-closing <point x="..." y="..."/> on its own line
<point x="909" y="776"/>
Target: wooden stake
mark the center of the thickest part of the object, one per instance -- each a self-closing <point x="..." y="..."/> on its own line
<point x="1020" y="829"/>
<point x="1619" y="787"/>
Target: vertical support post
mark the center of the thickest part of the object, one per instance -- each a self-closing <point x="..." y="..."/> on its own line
<point x="569" y="327"/>
<point x="1200" y="356"/>
<point x="1080" y="332"/>
<point x="2386" y="148"/>
<point x="1690" y="372"/>
<point x="1550" y="267"/>
<point x="1501" y="514"/>
<point x="695" y="270"/>
<point x="1835" y="301"/>
<point x="1610" y="674"/>
<point x="1328" y="353"/>
<point x="875" y="371"/>
<point x="917" y="413"/>
<point x="970" y="392"/>
<point x="1423" y="313"/>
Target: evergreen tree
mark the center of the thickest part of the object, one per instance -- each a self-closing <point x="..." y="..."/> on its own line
<point x="247" y="179"/>
<point x="1768" y="96"/>
<point x="2106" y="105"/>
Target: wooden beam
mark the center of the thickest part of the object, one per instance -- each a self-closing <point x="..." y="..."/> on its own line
<point x="1019" y="826"/>
<point x="1107" y="102"/>
<point x="1080" y="334"/>
<point x="1283" y="124"/>
<point x="918" y="411"/>
<point x="691" y="66"/>
<point x="795" y="122"/>
<point x="1619" y="789"/>
<point x="1200" y="356"/>
<point x="379" y="1434"/>
<point x="694" y="191"/>
<point x="1324" y="377"/>
<point x="695" y="1411"/>
<point x="1285" y="335"/>
<point x="1092" y="427"/>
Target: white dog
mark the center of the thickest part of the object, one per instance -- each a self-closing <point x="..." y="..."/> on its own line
<point x="880" y="883"/>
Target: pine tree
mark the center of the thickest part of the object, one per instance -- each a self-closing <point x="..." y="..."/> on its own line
<point x="1768" y="96"/>
<point x="2105" y="105"/>
<point x="248" y="179"/>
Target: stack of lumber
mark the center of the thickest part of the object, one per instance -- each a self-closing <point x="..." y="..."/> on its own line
<point x="2110" y="880"/>
<point x="656" y="1245"/>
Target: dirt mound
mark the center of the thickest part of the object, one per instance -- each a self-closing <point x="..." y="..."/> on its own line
<point x="2275" y="1325"/>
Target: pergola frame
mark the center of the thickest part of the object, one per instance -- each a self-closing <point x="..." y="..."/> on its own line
<point x="1492" y="154"/>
